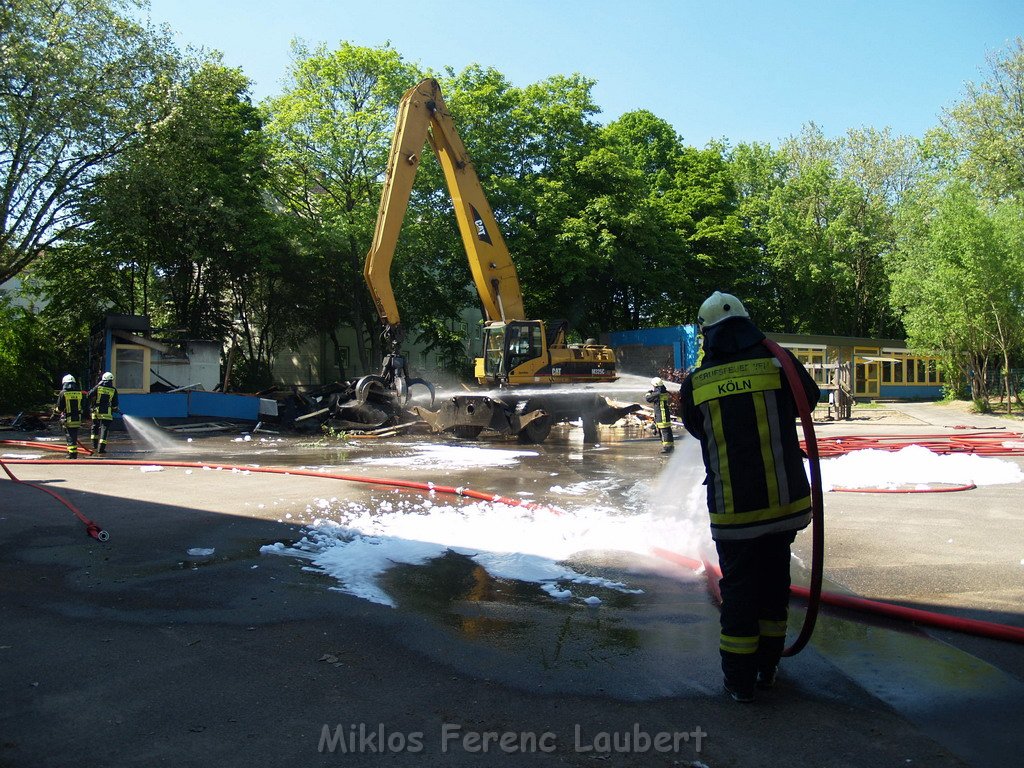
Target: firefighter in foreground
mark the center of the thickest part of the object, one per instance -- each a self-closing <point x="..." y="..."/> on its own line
<point x="738" y="404"/>
<point x="661" y="400"/>
<point x="103" y="401"/>
<point x="71" y="409"/>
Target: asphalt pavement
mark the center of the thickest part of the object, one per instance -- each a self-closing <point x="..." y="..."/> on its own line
<point x="144" y="651"/>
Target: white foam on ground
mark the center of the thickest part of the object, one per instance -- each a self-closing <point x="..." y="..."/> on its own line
<point x="915" y="465"/>
<point x="449" y="457"/>
<point x="355" y="543"/>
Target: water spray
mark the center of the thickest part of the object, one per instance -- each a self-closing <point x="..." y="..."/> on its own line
<point x="152" y="435"/>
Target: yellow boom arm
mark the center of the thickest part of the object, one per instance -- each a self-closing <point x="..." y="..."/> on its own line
<point x="422" y="117"/>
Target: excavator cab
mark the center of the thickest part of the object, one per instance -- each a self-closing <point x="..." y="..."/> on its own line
<point x="509" y="347"/>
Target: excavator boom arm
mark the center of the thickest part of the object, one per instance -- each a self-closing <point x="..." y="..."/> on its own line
<point x="423" y="117"/>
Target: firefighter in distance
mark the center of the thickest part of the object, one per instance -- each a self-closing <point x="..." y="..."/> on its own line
<point x="70" y="408"/>
<point x="662" y="400"/>
<point x="103" y="401"/>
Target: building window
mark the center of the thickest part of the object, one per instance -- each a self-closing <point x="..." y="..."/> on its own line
<point x="130" y="368"/>
<point x="813" y="359"/>
<point x="912" y="369"/>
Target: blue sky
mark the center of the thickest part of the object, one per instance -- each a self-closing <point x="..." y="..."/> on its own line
<point x="743" y="70"/>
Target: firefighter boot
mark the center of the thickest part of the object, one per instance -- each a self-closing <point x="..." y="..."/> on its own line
<point x="766" y="678"/>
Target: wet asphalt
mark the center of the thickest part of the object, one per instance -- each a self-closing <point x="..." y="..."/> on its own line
<point x="940" y="697"/>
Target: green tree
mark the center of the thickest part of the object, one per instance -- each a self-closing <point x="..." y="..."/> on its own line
<point x="77" y="80"/>
<point x="656" y="228"/>
<point x="982" y="136"/>
<point x="818" y="220"/>
<point x="524" y="143"/>
<point x="27" y="359"/>
<point x="330" y="133"/>
<point x="757" y="171"/>
<point x="959" y="280"/>
<point x="181" y="228"/>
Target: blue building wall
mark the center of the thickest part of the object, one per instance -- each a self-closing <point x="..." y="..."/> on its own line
<point x="180" y="405"/>
<point x="682" y="339"/>
<point x="910" y="391"/>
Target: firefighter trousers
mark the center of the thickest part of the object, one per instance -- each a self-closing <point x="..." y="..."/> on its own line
<point x="98" y="434"/>
<point x="755" y="604"/>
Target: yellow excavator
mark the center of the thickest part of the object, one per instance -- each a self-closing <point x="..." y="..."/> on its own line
<point x="524" y="361"/>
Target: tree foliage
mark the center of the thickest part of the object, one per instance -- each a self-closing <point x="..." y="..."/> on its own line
<point x="982" y="136"/>
<point x="77" y="80"/>
<point x="959" y="282"/>
<point x="181" y="230"/>
<point x="958" y="275"/>
<point x="329" y="133"/>
<point x="819" y="218"/>
<point x="26" y="359"/>
<point x="226" y="221"/>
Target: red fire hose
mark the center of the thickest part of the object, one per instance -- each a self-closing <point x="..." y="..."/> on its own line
<point x="90" y="527"/>
<point x="915" y="615"/>
<point x="95" y="531"/>
<point x="817" y="503"/>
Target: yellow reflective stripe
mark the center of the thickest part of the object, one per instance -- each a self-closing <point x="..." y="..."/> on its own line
<point x="767" y="455"/>
<point x="760" y="515"/>
<point x="735" y="644"/>
<point x="771" y="628"/>
<point x="733" y="378"/>
<point x="723" y="456"/>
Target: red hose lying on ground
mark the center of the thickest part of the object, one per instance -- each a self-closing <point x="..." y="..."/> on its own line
<point x="915" y="615"/>
<point x="918" y="616"/>
<point x="982" y="442"/>
<point x="94" y="530"/>
<point x="931" y="489"/>
<point x="90" y="527"/>
<point x="55" y="447"/>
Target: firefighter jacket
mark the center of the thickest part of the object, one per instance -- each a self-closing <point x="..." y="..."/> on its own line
<point x="71" y="407"/>
<point x="738" y="404"/>
<point x="103" y="400"/>
<point x="661" y="399"/>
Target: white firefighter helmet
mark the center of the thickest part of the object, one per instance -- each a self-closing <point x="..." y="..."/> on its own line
<point x="68" y="379"/>
<point x="657" y="381"/>
<point x="108" y="376"/>
<point x="718" y="307"/>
